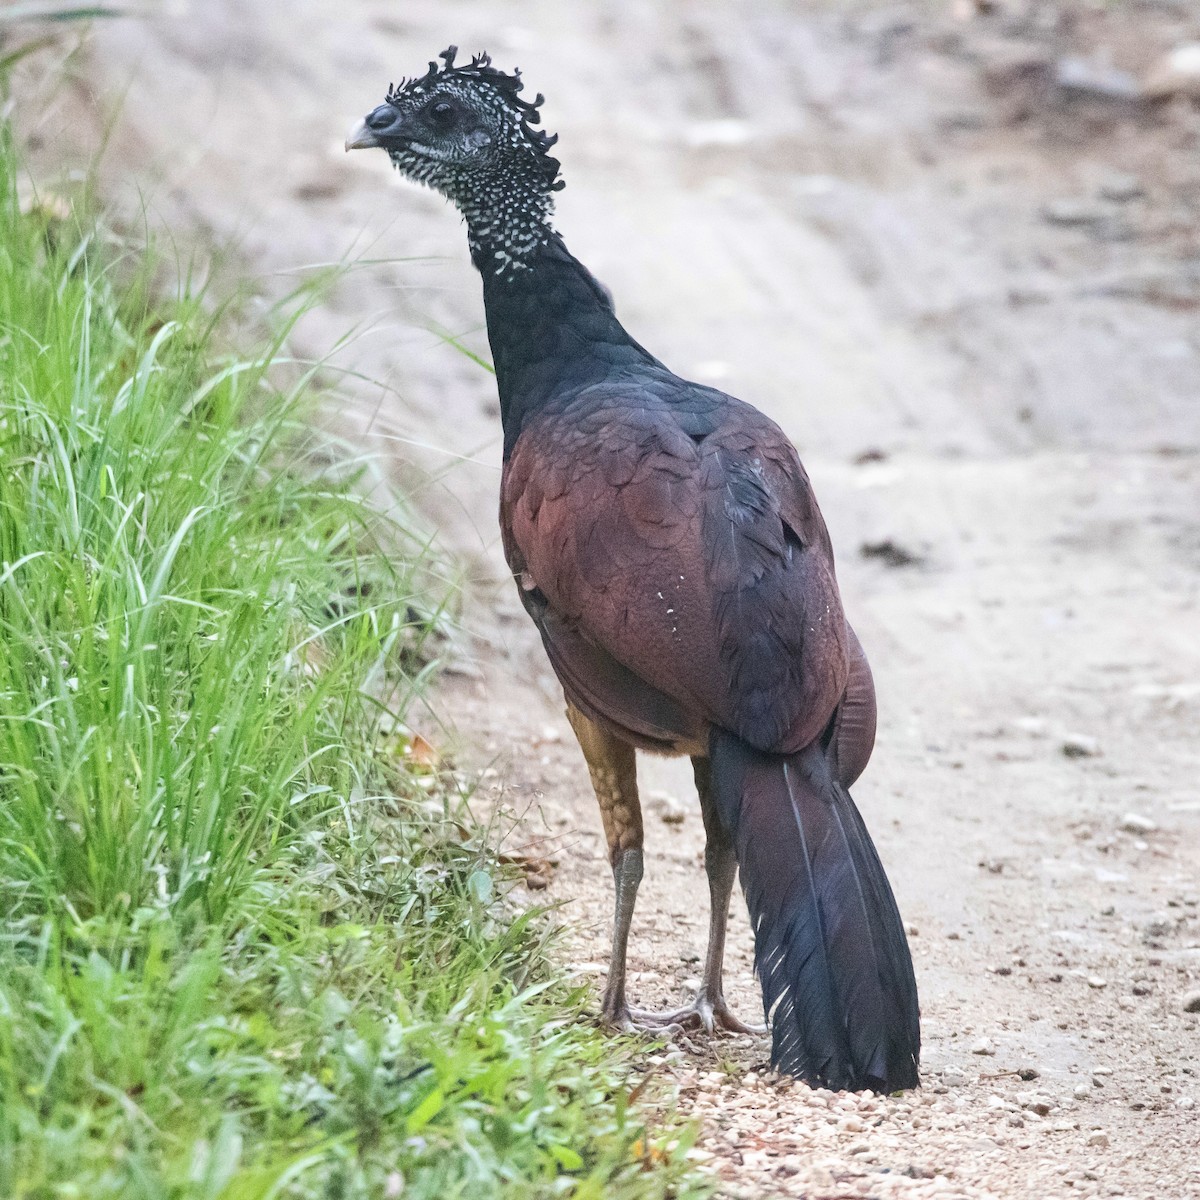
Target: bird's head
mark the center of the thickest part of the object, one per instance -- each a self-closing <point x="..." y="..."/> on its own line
<point x="464" y="131"/>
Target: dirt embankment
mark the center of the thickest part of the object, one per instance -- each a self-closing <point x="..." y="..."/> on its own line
<point x="958" y="259"/>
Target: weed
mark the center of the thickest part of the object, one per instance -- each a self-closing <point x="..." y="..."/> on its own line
<point x="240" y="959"/>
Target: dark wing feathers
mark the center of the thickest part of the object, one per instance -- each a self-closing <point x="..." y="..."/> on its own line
<point x="680" y="535"/>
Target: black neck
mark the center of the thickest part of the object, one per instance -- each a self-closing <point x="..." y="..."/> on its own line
<point x="551" y="325"/>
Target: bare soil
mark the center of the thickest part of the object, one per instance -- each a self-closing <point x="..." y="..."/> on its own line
<point x="971" y="294"/>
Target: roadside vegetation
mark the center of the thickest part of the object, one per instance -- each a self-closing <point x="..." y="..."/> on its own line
<point x="247" y="949"/>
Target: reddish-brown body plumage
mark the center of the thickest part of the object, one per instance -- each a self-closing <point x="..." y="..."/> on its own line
<point x="724" y="602"/>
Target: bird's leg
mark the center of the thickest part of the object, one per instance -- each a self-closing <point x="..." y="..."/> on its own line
<point x="710" y="1010"/>
<point x="611" y="763"/>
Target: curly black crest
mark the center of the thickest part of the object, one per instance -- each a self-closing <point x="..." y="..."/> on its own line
<point x="509" y="87"/>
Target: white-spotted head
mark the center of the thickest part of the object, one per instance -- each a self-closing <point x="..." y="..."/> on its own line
<point x="466" y="132"/>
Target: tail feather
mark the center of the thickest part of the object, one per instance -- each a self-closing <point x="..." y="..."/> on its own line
<point x="830" y="950"/>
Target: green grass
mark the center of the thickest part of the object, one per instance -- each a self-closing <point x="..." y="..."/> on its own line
<point x="239" y="958"/>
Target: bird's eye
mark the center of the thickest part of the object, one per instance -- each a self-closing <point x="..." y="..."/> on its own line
<point x="442" y="112"/>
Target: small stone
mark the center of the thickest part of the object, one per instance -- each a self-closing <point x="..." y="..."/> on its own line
<point x="1191" y="1002"/>
<point x="1009" y="67"/>
<point x="1084" y="79"/>
<point x="1027" y="1073"/>
<point x="1177" y="73"/>
<point x="1082" y="1091"/>
<point x="1097" y="981"/>
<point x="911" y="930"/>
<point x="1072" y="212"/>
<point x="1037" y="1104"/>
<point x="1186" y="1102"/>
<point x="1121" y="188"/>
<point x="985" y="1046"/>
<point x="1080" y="745"/>
<point x="1137" y="823"/>
<point x="670" y="810"/>
<point x="892" y="553"/>
<point x="1098" y="1138"/>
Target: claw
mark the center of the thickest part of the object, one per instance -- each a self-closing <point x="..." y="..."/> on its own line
<point x="704" y="1013"/>
<point x="710" y="1014"/>
<point x="637" y="1020"/>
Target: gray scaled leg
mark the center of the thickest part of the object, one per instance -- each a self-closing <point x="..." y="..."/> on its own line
<point x="709" y="1010"/>
<point x="611" y="763"/>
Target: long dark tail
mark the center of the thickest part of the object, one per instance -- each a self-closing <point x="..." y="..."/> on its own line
<point x="829" y="946"/>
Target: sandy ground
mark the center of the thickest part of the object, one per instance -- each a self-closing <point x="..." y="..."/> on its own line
<point x="970" y="293"/>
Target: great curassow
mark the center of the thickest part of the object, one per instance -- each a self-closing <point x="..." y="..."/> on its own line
<point x="667" y="544"/>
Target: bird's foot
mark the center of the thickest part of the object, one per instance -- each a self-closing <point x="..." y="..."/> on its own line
<point x="710" y="1013"/>
<point x="620" y="1018"/>
<point x="706" y="1012"/>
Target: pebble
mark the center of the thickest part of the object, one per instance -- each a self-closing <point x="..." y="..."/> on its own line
<point x="670" y="809"/>
<point x="1097" y="981"/>
<point x="1081" y="78"/>
<point x="1082" y="1091"/>
<point x="1137" y="823"/>
<point x="1080" y="745"/>
<point x="1098" y="1138"/>
<point x="1074" y="212"/>
<point x="985" y="1046"/>
<point x="1177" y="73"/>
<point x="1121" y="188"/>
<point x="1191" y="1002"/>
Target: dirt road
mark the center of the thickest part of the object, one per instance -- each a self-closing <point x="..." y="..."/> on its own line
<point x="969" y="289"/>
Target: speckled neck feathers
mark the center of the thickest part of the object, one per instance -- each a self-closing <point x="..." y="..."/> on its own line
<point x="507" y="212"/>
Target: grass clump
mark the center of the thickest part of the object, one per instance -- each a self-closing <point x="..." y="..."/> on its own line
<point x="238" y="958"/>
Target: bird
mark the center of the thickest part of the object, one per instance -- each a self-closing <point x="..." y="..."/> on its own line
<point x="666" y="541"/>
